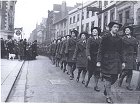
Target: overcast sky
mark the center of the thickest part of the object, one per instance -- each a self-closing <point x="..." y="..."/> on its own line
<point x="30" y="12"/>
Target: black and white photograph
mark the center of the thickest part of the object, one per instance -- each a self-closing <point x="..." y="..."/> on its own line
<point x="70" y="51"/>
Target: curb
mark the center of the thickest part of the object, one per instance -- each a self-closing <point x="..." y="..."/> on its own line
<point x="9" y="83"/>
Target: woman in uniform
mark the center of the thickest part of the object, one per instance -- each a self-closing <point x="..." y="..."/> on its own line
<point x="70" y="48"/>
<point x="80" y="56"/>
<point x="110" y="58"/>
<point x="57" y="54"/>
<point x="52" y="51"/>
<point x="62" y="52"/>
<point x="91" y="53"/>
<point x="130" y="49"/>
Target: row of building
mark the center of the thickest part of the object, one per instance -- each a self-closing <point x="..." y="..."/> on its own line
<point x="7" y="16"/>
<point x="62" y="19"/>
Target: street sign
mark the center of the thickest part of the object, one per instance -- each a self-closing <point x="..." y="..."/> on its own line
<point x="18" y="32"/>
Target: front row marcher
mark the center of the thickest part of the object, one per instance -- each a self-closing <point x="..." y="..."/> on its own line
<point x="80" y="56"/>
<point x="91" y="53"/>
<point x="70" y="48"/>
<point x="130" y="54"/>
<point x="110" y="58"/>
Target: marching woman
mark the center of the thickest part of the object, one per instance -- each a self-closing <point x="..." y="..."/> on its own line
<point x="130" y="50"/>
<point x="57" y="54"/>
<point x="91" y="53"/>
<point x="110" y="58"/>
<point x="62" y="52"/>
<point x="52" y="51"/>
<point x="80" y="56"/>
<point x="69" y="51"/>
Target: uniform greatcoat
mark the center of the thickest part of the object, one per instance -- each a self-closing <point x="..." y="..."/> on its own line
<point x="80" y="54"/>
<point x="92" y="51"/>
<point x="130" y="51"/>
<point x="62" y="51"/>
<point x="58" y="48"/>
<point x="70" y="48"/>
<point x="110" y="54"/>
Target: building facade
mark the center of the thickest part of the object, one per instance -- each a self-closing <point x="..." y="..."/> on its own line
<point x="39" y="33"/>
<point x="7" y="16"/>
<point x="61" y="28"/>
<point x="57" y="21"/>
<point x="125" y="12"/>
<point x="81" y="19"/>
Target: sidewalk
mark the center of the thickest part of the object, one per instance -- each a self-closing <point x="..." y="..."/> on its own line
<point x="9" y="72"/>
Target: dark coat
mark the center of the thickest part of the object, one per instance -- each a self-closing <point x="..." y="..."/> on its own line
<point x="53" y="49"/>
<point x="20" y="49"/>
<point x="110" y="54"/>
<point x="34" y="49"/>
<point x="138" y="53"/>
<point x="58" y="48"/>
<point x="80" y="54"/>
<point x="10" y="47"/>
<point x="130" y="50"/>
<point x="70" y="48"/>
<point x="62" y="51"/>
<point x="92" y="51"/>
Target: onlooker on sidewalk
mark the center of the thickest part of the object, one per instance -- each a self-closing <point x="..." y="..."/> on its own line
<point x="20" y="50"/>
<point x="10" y="47"/>
<point x="2" y="48"/>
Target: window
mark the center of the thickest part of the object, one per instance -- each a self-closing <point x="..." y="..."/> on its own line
<point x="112" y="14"/>
<point x="120" y="17"/>
<point x="87" y="14"/>
<point x="1" y="4"/>
<point x="82" y="15"/>
<point x="127" y="16"/>
<point x="105" y="21"/>
<point x="78" y="17"/>
<point x="73" y="19"/>
<point x="100" y="4"/>
<point x="11" y="8"/>
<point x="61" y="33"/>
<point x="70" y="20"/>
<point x="82" y="28"/>
<point x="99" y="22"/>
<point x="92" y="24"/>
<point x="105" y="3"/>
<point x="93" y="13"/>
<point x="87" y="27"/>
<point x="64" y="33"/>
<point x="78" y="28"/>
<point x="64" y="24"/>
<point x="69" y="31"/>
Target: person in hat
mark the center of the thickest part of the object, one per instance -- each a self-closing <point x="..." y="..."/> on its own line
<point x="130" y="49"/>
<point x="34" y="49"/>
<point x="69" y="51"/>
<point x="57" y="53"/>
<point x="63" y="59"/>
<point x="80" y="56"/>
<point x="52" y="51"/>
<point x="91" y="53"/>
<point x="110" y="58"/>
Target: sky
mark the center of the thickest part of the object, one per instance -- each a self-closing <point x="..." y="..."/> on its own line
<point x="28" y="13"/>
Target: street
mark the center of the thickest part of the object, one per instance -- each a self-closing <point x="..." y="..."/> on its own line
<point x="40" y="81"/>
